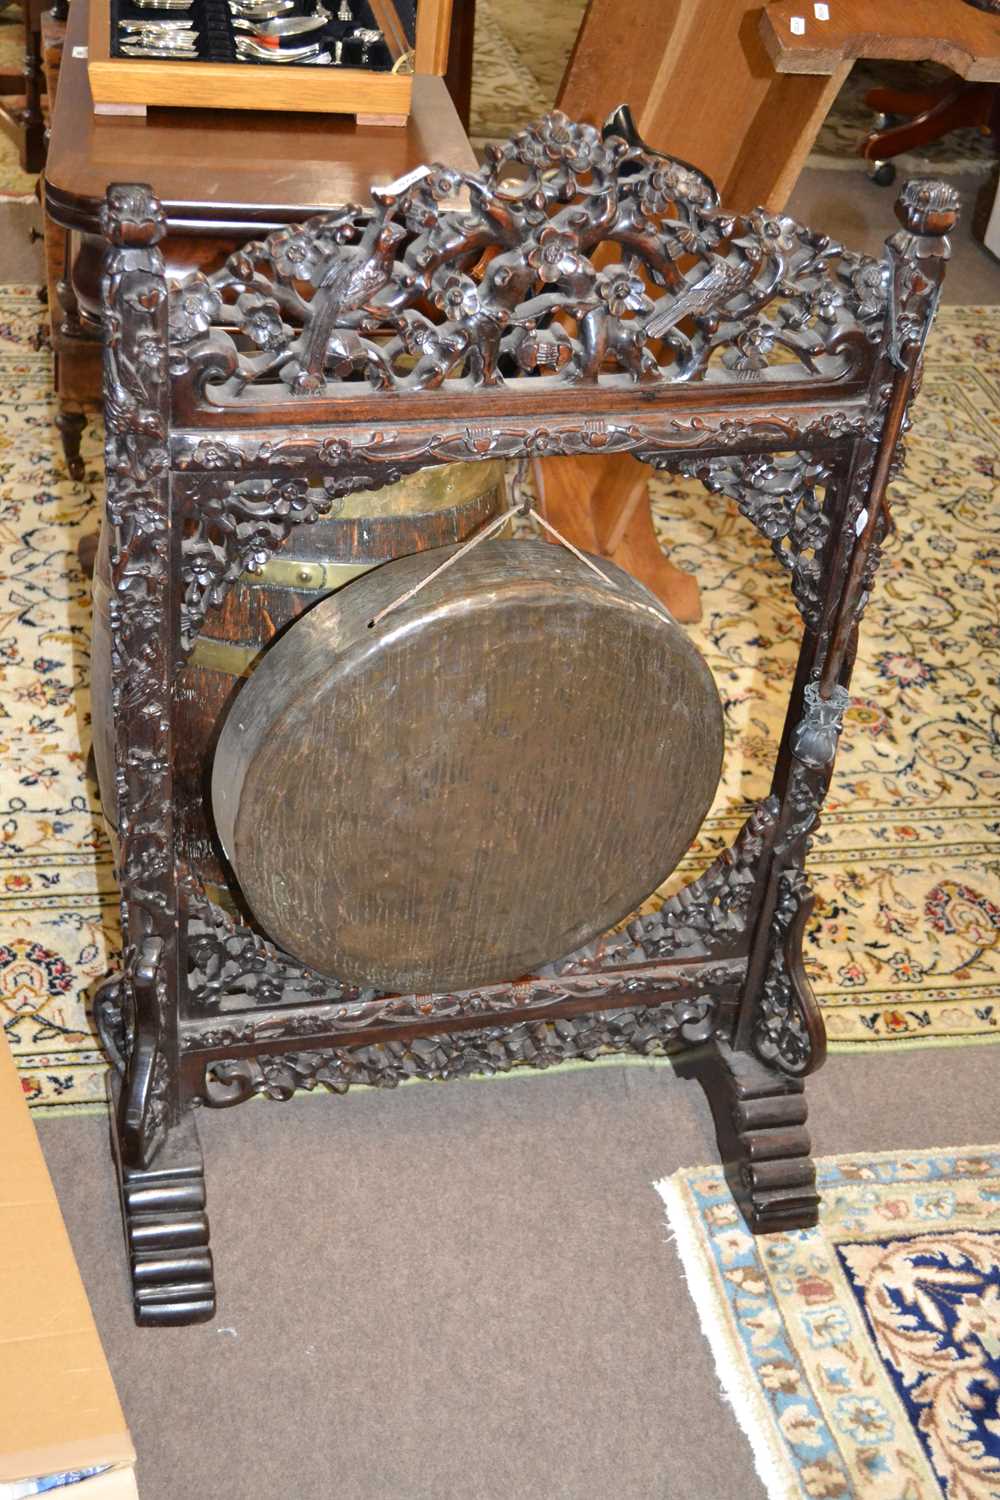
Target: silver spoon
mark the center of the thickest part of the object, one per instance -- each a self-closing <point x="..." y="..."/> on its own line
<point x="284" y="25"/>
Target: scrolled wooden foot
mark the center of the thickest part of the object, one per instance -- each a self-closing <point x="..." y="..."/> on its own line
<point x="760" y="1117"/>
<point x="166" y="1231"/>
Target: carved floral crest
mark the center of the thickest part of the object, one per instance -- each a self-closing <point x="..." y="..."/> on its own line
<point x="577" y="257"/>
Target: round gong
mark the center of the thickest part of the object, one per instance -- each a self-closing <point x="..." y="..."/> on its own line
<point x="491" y="776"/>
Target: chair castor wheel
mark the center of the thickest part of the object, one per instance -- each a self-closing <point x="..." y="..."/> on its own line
<point x="882" y="173"/>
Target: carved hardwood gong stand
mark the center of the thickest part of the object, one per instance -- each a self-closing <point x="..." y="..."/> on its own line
<point x="747" y="351"/>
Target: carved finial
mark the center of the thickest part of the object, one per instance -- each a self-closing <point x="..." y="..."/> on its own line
<point x="131" y="217"/>
<point x="928" y="208"/>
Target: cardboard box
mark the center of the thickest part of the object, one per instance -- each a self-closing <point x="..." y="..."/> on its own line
<point x="59" y="1411"/>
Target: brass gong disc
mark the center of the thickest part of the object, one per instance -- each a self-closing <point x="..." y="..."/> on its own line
<point x="493" y="775"/>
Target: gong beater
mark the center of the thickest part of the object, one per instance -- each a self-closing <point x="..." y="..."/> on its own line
<point x="491" y="775"/>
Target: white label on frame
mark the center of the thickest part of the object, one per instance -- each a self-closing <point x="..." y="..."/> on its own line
<point x="81" y="52"/>
<point x="861" y="522"/>
<point x="407" y="180"/>
<point x="821" y="12"/>
<point x="798" y="25"/>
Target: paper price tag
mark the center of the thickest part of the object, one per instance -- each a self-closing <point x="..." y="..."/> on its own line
<point x="821" y="12"/>
<point x="798" y="25"/>
<point x="81" y="52"/>
<point x="393" y="189"/>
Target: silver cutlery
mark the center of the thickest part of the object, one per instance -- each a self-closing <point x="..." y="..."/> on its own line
<point x="248" y="47"/>
<point x="260" y="10"/>
<point x="172" y="36"/>
<point x="284" y="25"/>
<point x="155" y="49"/>
<point x="163" y="4"/>
<point x="367" y="36"/>
<point x="163" y="41"/>
<point x="158" y="28"/>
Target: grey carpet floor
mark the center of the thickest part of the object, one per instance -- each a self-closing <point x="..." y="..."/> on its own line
<point x="462" y="1292"/>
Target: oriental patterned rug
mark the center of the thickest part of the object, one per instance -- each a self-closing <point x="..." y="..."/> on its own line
<point x="862" y="1358"/>
<point x="905" y="944"/>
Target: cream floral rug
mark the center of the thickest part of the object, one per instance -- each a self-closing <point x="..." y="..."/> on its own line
<point x="905" y="946"/>
<point x="862" y="1358"/>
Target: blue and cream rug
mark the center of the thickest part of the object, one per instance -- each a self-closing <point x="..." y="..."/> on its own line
<point x="862" y="1358"/>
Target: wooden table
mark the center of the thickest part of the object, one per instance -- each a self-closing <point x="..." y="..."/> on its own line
<point x="223" y="177"/>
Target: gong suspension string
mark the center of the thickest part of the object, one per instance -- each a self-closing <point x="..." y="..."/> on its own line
<point x="521" y="506"/>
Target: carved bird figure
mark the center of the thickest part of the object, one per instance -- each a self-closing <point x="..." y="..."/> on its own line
<point x="348" y="285"/>
<point x="721" y="282"/>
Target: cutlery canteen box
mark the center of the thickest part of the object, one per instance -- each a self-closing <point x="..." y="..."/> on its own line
<point x="373" y="81"/>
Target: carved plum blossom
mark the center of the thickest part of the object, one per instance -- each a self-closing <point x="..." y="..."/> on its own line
<point x="556" y="255"/>
<point x="622" y="292"/>
<point x="671" y="181"/>
<point x="458" y="296"/>
<point x="748" y="354"/>
<point x="194" y="306"/>
<point x="556" y="139"/>
<point x="519" y="283"/>
<point x="260" y="319"/>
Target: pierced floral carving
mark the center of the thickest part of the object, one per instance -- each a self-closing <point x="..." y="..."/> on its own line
<point x="495" y="1049"/>
<point x="708" y="918"/>
<point x="412" y="295"/>
<point x="782" y="1032"/>
<point x="230" y="963"/>
<point x="780" y="493"/>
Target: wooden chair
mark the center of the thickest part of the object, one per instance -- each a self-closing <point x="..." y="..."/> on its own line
<point x="243" y="405"/>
